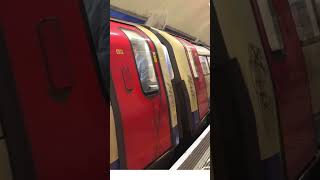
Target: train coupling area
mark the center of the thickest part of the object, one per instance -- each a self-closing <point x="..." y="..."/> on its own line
<point x="197" y="156"/>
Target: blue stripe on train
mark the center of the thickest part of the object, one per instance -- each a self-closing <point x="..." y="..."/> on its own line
<point x="272" y="168"/>
<point x="175" y="135"/>
<point x="115" y="164"/>
<point x="195" y="119"/>
<point x="125" y="17"/>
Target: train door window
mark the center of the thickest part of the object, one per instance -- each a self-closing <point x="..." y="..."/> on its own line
<point x="204" y="65"/>
<point x="208" y="58"/>
<point x="168" y="61"/>
<point x="271" y="24"/>
<point x="193" y="66"/>
<point x="144" y="64"/>
<point x="303" y="12"/>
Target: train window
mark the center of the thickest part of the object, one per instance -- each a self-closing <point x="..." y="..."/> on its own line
<point x="143" y="61"/>
<point x="305" y="19"/>
<point x="271" y="24"/>
<point x="168" y="61"/>
<point x="193" y="66"/>
<point x="208" y="57"/>
<point x="204" y="65"/>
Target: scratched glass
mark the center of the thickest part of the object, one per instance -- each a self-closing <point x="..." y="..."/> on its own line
<point x="143" y="58"/>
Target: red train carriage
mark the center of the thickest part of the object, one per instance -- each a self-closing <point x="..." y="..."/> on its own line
<point x="183" y="83"/>
<point x="140" y="95"/>
<point x="204" y="57"/>
<point x="198" y="77"/>
<point x="290" y="78"/>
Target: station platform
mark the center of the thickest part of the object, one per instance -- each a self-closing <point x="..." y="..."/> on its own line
<point x="197" y="156"/>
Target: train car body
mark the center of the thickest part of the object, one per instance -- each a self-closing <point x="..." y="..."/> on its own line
<point x="154" y="110"/>
<point x="204" y="55"/>
<point x="306" y="16"/>
<point x="198" y="75"/>
<point x="167" y="75"/>
<point x="288" y="73"/>
<point x="141" y="95"/>
<point x="182" y="81"/>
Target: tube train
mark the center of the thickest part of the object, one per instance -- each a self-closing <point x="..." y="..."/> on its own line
<point x="160" y="90"/>
<point x="54" y="101"/>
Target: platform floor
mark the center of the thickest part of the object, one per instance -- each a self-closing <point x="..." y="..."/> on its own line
<point x="197" y="156"/>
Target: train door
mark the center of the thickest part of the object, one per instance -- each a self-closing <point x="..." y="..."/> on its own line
<point x="198" y="77"/>
<point x="288" y="70"/>
<point x="182" y="81"/>
<point x="206" y="70"/>
<point x="178" y="129"/>
<point x="204" y="54"/>
<point x="167" y="75"/>
<point x="140" y="94"/>
<point x="52" y="107"/>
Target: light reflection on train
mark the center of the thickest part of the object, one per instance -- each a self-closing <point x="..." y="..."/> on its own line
<point x="159" y="95"/>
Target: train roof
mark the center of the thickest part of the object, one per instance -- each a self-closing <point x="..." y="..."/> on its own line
<point x="123" y="22"/>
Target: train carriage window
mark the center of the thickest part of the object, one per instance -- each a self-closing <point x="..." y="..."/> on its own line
<point x="271" y="24"/>
<point x="168" y="61"/>
<point x="193" y="66"/>
<point x="303" y="12"/>
<point x="143" y="61"/>
<point x="208" y="58"/>
<point x="204" y="65"/>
